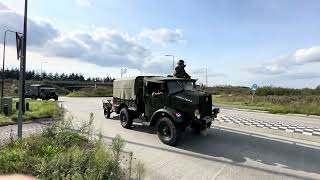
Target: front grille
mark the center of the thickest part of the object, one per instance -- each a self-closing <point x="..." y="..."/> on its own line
<point x="206" y="106"/>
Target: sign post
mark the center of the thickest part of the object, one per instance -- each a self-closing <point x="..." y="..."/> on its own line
<point x="253" y="88"/>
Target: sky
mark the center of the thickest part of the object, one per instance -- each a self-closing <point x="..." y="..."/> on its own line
<point x="239" y="42"/>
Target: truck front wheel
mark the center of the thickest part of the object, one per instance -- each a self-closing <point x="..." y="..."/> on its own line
<point x="125" y="118"/>
<point x="167" y="132"/>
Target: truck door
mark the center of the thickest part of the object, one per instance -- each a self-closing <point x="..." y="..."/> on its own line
<point x="154" y="98"/>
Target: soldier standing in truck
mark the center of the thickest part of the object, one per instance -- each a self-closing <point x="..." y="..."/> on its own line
<point x="180" y="71"/>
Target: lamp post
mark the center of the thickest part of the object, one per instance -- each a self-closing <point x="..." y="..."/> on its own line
<point x="206" y="71"/>
<point x="123" y="71"/>
<point x="172" y="60"/>
<point x="140" y="71"/>
<point x="41" y="68"/>
<point x="4" y="57"/>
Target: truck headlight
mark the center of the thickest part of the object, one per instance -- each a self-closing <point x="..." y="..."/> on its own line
<point x="197" y="114"/>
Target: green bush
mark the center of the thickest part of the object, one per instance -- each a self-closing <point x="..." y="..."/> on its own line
<point x="39" y="109"/>
<point x="97" y="92"/>
<point x="62" y="153"/>
<point x="275" y="104"/>
<point x="262" y="91"/>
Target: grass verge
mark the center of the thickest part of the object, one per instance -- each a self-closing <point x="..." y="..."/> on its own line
<point x="97" y="92"/>
<point x="61" y="152"/>
<point x="309" y="105"/>
<point x="38" y="109"/>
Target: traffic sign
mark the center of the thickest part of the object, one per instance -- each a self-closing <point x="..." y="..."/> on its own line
<point x="254" y="87"/>
<point x="19" y="43"/>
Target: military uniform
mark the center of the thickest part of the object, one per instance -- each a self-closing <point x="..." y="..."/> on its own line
<point x="180" y="72"/>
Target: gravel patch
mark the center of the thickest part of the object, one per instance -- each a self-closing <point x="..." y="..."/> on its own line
<point x="12" y="131"/>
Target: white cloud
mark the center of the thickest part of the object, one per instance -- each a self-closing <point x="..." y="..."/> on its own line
<point x="308" y="55"/>
<point x="39" y="30"/>
<point x="158" y="64"/>
<point x="162" y="36"/>
<point x="3" y="7"/>
<point x="100" y="46"/>
<point x="103" y="47"/>
<point x="84" y="3"/>
<point x="284" y="64"/>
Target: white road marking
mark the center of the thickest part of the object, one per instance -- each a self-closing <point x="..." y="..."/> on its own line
<point x="218" y="173"/>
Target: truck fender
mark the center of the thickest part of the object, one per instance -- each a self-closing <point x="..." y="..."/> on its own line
<point x="168" y="112"/>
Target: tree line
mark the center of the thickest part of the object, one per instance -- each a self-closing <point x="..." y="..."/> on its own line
<point x="262" y="91"/>
<point x="33" y="75"/>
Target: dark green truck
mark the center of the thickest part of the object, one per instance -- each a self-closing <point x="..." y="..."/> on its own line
<point x="168" y="103"/>
<point x="38" y="91"/>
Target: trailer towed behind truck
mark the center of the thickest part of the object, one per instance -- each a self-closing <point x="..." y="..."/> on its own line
<point x="170" y="104"/>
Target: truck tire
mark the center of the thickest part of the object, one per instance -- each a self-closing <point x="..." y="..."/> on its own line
<point x="167" y="131"/>
<point x="107" y="112"/>
<point x="125" y="118"/>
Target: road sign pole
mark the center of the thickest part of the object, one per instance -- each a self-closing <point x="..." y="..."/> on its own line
<point x="252" y="97"/>
<point x="22" y="72"/>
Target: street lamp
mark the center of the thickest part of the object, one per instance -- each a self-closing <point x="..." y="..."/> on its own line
<point x="206" y="71"/>
<point x="4" y="57"/>
<point x="123" y="71"/>
<point x="140" y="71"/>
<point x="41" y="68"/>
<point x="172" y="60"/>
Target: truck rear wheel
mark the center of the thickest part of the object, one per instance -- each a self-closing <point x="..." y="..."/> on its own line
<point x="167" y="132"/>
<point x="125" y="118"/>
<point x="107" y="112"/>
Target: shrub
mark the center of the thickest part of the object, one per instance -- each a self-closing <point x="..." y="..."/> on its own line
<point x="97" y="92"/>
<point x="61" y="152"/>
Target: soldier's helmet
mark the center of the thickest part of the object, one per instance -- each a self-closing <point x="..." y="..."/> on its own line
<point x="181" y="63"/>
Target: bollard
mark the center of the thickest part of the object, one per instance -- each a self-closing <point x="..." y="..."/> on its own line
<point x="6" y="109"/>
<point x="6" y="106"/>
<point x="27" y="106"/>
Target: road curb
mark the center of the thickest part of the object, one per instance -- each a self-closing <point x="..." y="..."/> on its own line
<point x="238" y="108"/>
<point x="295" y="138"/>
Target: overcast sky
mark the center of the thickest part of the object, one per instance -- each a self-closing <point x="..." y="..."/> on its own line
<point x="241" y="42"/>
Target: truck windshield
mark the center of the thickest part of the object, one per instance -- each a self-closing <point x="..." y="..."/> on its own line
<point x="177" y="86"/>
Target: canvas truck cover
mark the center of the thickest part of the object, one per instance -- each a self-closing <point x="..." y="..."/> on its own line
<point x="124" y="88"/>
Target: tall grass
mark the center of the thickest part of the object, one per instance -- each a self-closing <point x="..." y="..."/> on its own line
<point x="61" y="152"/>
<point x="39" y="109"/>
<point x="275" y="104"/>
<point x="98" y="92"/>
<point x="262" y="91"/>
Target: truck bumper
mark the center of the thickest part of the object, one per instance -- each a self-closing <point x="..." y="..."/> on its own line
<point x="204" y="121"/>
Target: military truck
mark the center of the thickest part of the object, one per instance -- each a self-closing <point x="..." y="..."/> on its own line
<point x="38" y="91"/>
<point x="168" y="103"/>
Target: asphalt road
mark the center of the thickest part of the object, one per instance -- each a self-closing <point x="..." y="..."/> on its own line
<point x="297" y="120"/>
<point x="220" y="155"/>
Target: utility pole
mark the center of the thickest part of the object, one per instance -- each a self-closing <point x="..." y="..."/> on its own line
<point x="22" y="71"/>
<point x="206" y="77"/>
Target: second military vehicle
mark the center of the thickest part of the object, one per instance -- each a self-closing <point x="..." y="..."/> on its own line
<point x="170" y="104"/>
<point x="37" y="91"/>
